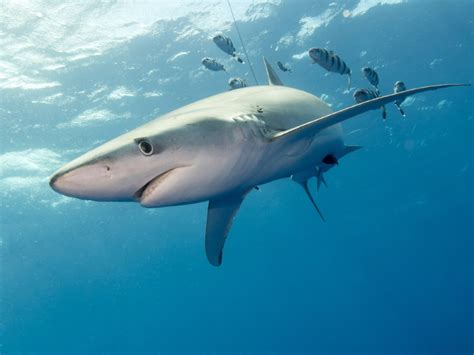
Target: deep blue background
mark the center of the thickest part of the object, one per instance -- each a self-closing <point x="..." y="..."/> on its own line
<point x="390" y="272"/>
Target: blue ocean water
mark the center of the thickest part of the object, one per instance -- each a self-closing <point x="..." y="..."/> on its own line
<point x="391" y="272"/>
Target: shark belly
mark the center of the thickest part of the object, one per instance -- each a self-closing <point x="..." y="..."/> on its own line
<point x="305" y="155"/>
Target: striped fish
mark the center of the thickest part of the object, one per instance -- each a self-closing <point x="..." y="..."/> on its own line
<point x="212" y="64"/>
<point x="399" y="86"/>
<point x="237" y="83"/>
<point x="331" y="62"/>
<point x="362" y="95"/>
<point x="283" y="67"/>
<point x="372" y="76"/>
<point x="225" y="44"/>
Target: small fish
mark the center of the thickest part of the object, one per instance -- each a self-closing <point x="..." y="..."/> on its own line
<point x="399" y="86"/>
<point x="362" y="95"/>
<point x="283" y="67"/>
<point x="237" y="83"/>
<point x="225" y="44"/>
<point x="212" y="64"/>
<point x="331" y="62"/>
<point x="372" y="76"/>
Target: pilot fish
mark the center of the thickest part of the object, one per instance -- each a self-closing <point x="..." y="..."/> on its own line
<point x="372" y="76"/>
<point x="225" y="44"/>
<point x="362" y="95"/>
<point x="236" y="83"/>
<point x="212" y="64"/>
<point x="330" y="61"/>
<point x="399" y="86"/>
<point x="283" y="67"/>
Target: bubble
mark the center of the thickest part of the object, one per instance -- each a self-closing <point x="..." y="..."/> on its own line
<point x="346" y="13"/>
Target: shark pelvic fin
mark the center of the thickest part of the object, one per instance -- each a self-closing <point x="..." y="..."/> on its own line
<point x="273" y="78"/>
<point x="350" y="148"/>
<point x="304" y="184"/>
<point x="320" y="178"/>
<point x="312" y="127"/>
<point x="220" y="215"/>
<point x="331" y="160"/>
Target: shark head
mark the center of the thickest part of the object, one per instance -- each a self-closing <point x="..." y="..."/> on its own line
<point x="119" y="170"/>
<point x="155" y="165"/>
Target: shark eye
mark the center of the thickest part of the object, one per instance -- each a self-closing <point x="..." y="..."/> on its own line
<point x="145" y="147"/>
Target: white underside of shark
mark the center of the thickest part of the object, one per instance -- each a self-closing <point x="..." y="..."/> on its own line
<point x="217" y="150"/>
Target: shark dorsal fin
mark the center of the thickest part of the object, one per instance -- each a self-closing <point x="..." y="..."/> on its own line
<point x="273" y="78"/>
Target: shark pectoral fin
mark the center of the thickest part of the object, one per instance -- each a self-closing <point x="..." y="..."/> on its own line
<point x="312" y="127"/>
<point x="220" y="215"/>
<point x="273" y="78"/>
<point x="304" y="184"/>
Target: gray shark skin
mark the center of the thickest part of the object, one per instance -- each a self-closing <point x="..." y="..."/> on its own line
<point x="217" y="149"/>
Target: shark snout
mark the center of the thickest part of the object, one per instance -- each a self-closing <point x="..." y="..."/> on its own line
<point x="73" y="181"/>
<point x="89" y="181"/>
<point x="52" y="181"/>
<point x="56" y="181"/>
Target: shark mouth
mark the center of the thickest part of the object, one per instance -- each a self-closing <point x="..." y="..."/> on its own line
<point x="146" y="190"/>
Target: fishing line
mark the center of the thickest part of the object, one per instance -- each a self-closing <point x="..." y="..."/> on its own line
<point x="242" y="42"/>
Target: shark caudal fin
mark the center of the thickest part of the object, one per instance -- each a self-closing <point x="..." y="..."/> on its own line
<point x="273" y="78"/>
<point x="312" y="127"/>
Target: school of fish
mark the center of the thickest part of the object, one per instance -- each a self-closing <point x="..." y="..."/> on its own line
<point x="325" y="58"/>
